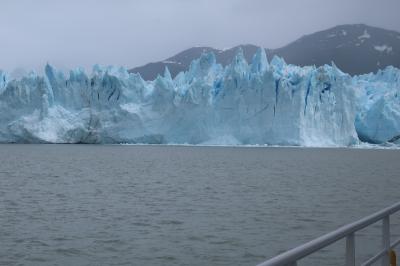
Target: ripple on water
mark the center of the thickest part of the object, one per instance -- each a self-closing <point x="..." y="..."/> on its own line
<point x="69" y="251"/>
<point x="170" y="222"/>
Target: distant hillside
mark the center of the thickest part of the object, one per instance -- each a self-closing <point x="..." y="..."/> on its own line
<point x="181" y="61"/>
<point x="356" y="49"/>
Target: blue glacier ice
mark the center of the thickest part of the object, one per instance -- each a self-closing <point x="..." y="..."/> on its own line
<point x="263" y="102"/>
<point x="378" y="116"/>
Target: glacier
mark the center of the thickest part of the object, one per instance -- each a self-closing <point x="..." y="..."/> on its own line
<point x="261" y="103"/>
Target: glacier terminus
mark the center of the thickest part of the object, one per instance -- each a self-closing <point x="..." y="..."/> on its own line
<point x="261" y="103"/>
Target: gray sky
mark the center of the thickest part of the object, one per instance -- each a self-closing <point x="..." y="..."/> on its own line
<point x="71" y="33"/>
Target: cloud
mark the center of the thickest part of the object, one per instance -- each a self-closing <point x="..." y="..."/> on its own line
<point x="72" y="33"/>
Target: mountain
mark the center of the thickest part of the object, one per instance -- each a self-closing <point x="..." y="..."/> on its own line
<point x="355" y="49"/>
<point x="181" y="62"/>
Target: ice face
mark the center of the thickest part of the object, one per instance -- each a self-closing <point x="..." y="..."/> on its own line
<point x="259" y="62"/>
<point x="378" y="115"/>
<point x="257" y="103"/>
<point x="3" y="81"/>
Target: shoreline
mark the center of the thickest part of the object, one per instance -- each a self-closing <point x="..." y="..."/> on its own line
<point x="362" y="146"/>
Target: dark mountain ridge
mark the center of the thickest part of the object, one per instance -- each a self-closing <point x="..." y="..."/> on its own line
<point x="355" y="49"/>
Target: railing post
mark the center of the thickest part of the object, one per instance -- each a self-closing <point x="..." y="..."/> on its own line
<point x="386" y="240"/>
<point x="393" y="259"/>
<point x="350" y="250"/>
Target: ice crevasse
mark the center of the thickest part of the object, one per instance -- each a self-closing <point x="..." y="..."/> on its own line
<point x="263" y="102"/>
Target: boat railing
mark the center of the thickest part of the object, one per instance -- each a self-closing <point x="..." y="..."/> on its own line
<point x="386" y="255"/>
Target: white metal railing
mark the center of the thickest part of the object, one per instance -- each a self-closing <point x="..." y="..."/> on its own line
<point x="348" y="231"/>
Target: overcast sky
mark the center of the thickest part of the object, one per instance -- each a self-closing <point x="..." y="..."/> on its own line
<point x="71" y="33"/>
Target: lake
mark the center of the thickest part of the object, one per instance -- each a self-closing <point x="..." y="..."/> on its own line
<point x="185" y="205"/>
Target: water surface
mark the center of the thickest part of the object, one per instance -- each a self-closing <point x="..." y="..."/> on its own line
<point x="175" y="205"/>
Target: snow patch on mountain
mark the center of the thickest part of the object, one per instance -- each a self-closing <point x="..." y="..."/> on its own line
<point x="365" y="35"/>
<point x="383" y="48"/>
<point x="171" y="62"/>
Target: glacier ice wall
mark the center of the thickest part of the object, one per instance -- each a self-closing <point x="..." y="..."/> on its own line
<point x="378" y="115"/>
<point x="258" y="103"/>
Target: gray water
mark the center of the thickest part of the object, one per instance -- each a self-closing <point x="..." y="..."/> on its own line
<point x="167" y="205"/>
